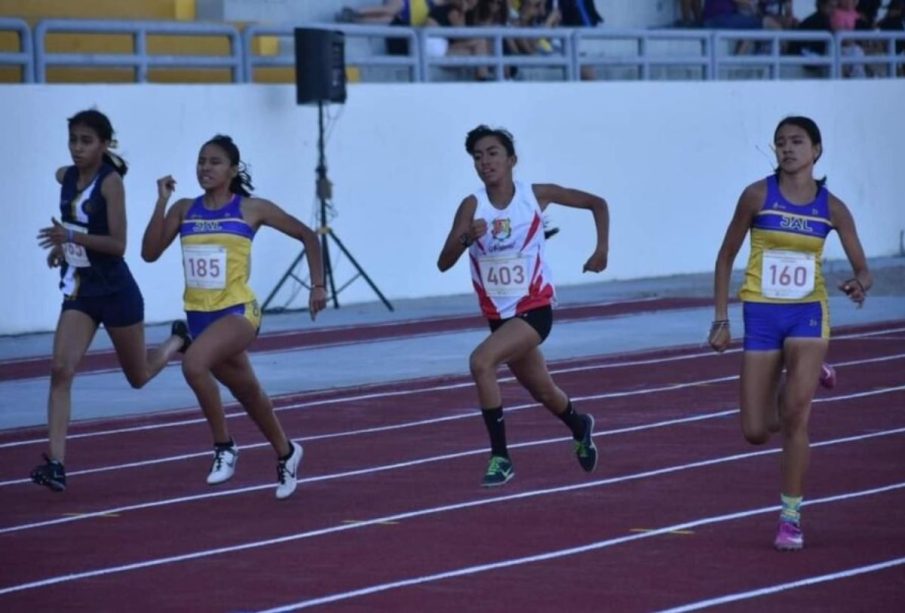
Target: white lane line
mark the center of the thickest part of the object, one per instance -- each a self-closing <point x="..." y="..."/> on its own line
<point x="781" y="587"/>
<point x="447" y="508"/>
<point x="469" y="415"/>
<point x="552" y="555"/>
<point x="435" y="388"/>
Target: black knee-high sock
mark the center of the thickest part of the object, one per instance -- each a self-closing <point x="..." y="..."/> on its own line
<point x="574" y="421"/>
<point x="496" y="428"/>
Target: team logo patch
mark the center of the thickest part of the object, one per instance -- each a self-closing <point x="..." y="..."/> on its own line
<point x="502" y="229"/>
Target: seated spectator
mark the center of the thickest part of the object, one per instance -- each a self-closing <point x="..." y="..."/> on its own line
<point x="391" y="12"/>
<point x="737" y="15"/>
<point x="453" y="14"/>
<point x="894" y="21"/>
<point x="818" y="21"/>
<point x="577" y="14"/>
<point x="846" y="18"/>
<point x="691" y="13"/>
<point x="780" y="10"/>
<point x="531" y="14"/>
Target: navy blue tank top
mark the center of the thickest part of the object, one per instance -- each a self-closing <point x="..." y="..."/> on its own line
<point x="88" y="272"/>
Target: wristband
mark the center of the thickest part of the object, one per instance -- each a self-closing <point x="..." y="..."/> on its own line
<point x="69" y="236"/>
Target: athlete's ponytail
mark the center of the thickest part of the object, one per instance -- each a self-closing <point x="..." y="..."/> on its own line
<point x="241" y="183"/>
<point x="100" y="123"/>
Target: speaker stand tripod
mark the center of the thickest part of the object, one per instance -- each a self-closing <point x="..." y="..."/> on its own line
<point x="324" y="193"/>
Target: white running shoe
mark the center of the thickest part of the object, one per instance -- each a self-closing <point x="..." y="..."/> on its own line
<point x="224" y="465"/>
<point x="287" y="472"/>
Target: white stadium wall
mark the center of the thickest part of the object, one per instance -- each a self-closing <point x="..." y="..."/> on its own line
<point x="671" y="159"/>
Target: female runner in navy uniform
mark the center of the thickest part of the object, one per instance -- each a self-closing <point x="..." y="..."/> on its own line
<point x="784" y="298"/>
<point x="500" y="227"/>
<point x="216" y="231"/>
<point x="88" y="246"/>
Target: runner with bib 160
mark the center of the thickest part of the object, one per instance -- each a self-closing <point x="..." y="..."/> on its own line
<point x="784" y="298"/>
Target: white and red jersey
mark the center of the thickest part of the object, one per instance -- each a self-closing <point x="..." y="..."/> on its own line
<point x="508" y="269"/>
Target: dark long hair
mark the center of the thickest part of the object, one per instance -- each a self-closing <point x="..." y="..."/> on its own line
<point x="100" y="123"/>
<point x="241" y="183"/>
<point x="810" y="127"/>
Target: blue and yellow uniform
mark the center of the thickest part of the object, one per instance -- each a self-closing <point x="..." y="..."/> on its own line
<point x="98" y="284"/>
<point x="216" y="257"/>
<point x="784" y="293"/>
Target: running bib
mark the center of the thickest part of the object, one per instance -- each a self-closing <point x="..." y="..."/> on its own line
<point x="505" y="276"/>
<point x="205" y="266"/>
<point x="75" y="255"/>
<point x="788" y="275"/>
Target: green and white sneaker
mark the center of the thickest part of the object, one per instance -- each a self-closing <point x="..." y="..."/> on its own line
<point x="585" y="449"/>
<point x="499" y="471"/>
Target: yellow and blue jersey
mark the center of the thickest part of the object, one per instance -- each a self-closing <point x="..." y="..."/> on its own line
<point x="787" y="241"/>
<point x="216" y="256"/>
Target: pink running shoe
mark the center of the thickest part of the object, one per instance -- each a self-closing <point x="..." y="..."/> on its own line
<point x="789" y="537"/>
<point x="827" y="376"/>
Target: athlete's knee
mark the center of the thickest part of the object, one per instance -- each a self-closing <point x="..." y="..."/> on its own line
<point x="194" y="370"/>
<point x="756" y="434"/>
<point x="137" y="380"/>
<point x="61" y="373"/>
<point x="480" y="364"/>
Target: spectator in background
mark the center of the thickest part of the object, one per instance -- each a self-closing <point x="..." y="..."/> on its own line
<point x="818" y="21"/>
<point x="577" y="14"/>
<point x="392" y="12"/>
<point x="894" y="21"/>
<point x="456" y="14"/>
<point x="531" y="14"/>
<point x="780" y="10"/>
<point x="737" y="15"/>
<point x="691" y="13"/>
<point x="846" y="18"/>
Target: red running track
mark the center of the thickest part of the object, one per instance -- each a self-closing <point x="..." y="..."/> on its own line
<point x="389" y="515"/>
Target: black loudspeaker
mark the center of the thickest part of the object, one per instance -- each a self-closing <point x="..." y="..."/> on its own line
<point x="320" y="66"/>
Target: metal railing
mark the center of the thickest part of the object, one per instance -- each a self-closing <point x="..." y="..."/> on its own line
<point x="25" y="57"/>
<point x="640" y="54"/>
<point x="140" y="59"/>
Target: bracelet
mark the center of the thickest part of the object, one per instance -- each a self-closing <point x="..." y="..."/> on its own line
<point x="322" y="286"/>
<point x="720" y="323"/>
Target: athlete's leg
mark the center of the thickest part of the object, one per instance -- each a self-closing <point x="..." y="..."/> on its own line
<point x="227" y="337"/>
<point x="74" y="333"/>
<point x="760" y="381"/>
<point x="139" y="364"/>
<point x="509" y="342"/>
<point x="531" y="371"/>
<point x="237" y="375"/>
<point x="804" y="357"/>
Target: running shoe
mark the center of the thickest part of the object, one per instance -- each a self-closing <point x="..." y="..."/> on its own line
<point x="181" y="329"/>
<point x="789" y="537"/>
<point x="585" y="449"/>
<point x="224" y="465"/>
<point x="50" y="474"/>
<point x="499" y="471"/>
<point x="287" y="472"/>
<point x="827" y="376"/>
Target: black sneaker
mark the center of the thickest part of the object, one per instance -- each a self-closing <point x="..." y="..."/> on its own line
<point x="181" y="329"/>
<point x="585" y="449"/>
<point x="51" y="474"/>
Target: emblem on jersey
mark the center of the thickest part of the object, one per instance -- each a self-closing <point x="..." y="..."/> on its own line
<point x="206" y="225"/>
<point x="502" y="229"/>
<point x="796" y="223"/>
